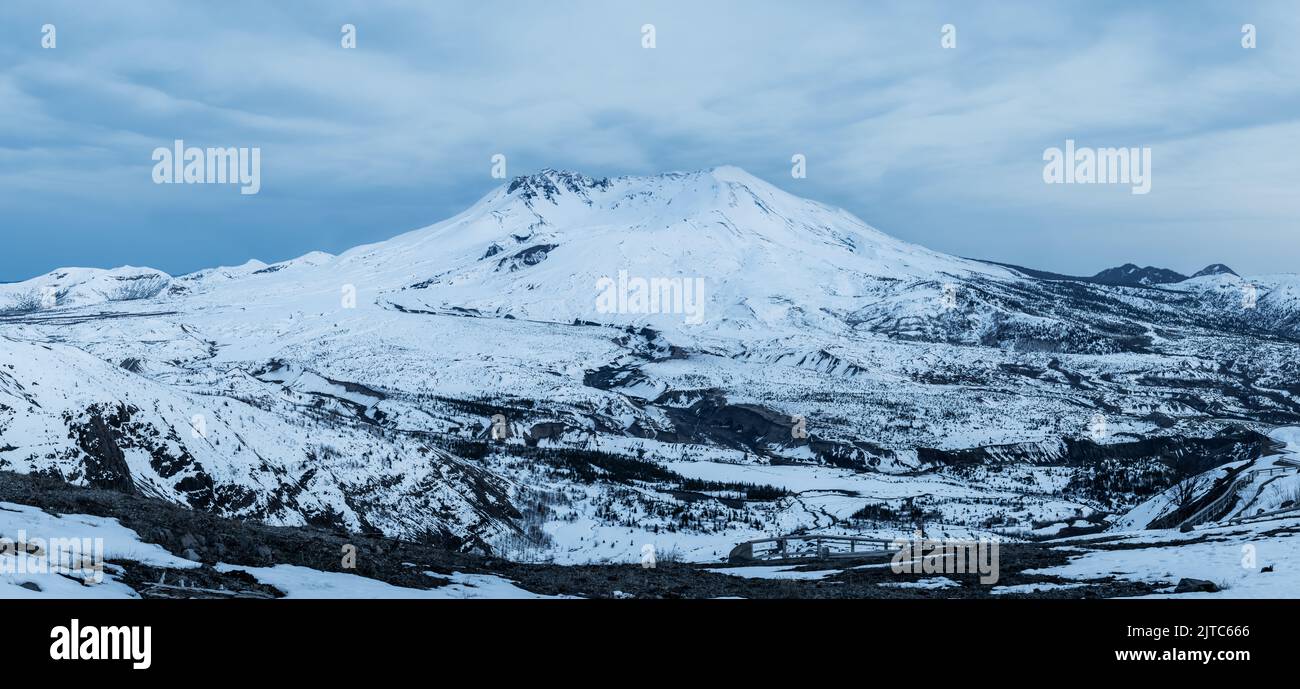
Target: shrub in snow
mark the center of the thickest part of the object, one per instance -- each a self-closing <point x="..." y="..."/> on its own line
<point x="27" y="302"/>
<point x="138" y="287"/>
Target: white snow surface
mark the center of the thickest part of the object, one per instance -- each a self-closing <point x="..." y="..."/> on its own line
<point x="317" y="406"/>
<point x="304" y="582"/>
<point x="32" y="525"/>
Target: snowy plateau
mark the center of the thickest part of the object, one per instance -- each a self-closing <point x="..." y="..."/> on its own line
<point x="459" y="389"/>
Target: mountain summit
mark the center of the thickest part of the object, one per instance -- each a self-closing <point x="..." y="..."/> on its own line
<point x="1131" y="275"/>
<point x="1214" y="269"/>
<point x="539" y="247"/>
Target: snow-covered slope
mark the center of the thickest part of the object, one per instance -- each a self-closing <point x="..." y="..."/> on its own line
<point x="81" y="287"/>
<point x="1268" y="303"/>
<point x="542" y="246"/>
<point x="472" y="380"/>
<point x="67" y="414"/>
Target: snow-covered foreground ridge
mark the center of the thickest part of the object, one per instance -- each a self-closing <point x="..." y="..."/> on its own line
<point x="503" y="381"/>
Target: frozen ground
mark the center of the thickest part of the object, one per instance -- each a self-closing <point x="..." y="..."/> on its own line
<point x="303" y="582"/>
<point x="33" y="565"/>
<point x="1232" y="557"/>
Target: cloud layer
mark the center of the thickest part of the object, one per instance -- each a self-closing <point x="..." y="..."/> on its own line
<point x="941" y="147"/>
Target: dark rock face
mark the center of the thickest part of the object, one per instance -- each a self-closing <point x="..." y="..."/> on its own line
<point x="530" y="256"/>
<point x="104" y="464"/>
<point x="548" y="184"/>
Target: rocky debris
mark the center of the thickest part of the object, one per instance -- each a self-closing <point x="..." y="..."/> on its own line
<point x="1186" y="585"/>
<point x="403" y="563"/>
<point x="201" y="582"/>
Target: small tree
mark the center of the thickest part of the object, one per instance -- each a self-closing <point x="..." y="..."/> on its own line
<point x="138" y="287"/>
<point x="26" y="302"/>
<point x="1185" y="491"/>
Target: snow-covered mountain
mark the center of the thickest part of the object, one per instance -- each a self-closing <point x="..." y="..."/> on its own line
<point x="1132" y="276"/>
<point x="540" y="248"/>
<point x="66" y="414"/>
<point x="573" y="367"/>
<point x="81" y="287"/>
<point x="1214" y="269"/>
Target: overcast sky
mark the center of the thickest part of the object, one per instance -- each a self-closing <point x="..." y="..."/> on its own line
<point x="940" y="147"/>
